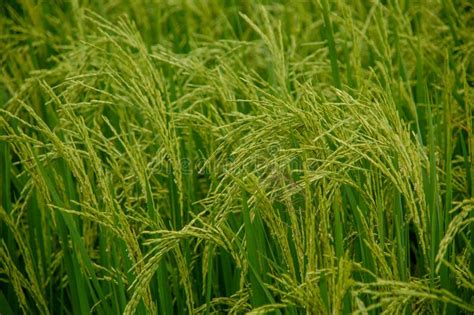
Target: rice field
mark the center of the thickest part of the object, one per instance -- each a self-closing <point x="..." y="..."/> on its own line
<point x="237" y="157"/>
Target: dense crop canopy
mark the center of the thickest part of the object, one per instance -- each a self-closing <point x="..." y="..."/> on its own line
<point x="196" y="157"/>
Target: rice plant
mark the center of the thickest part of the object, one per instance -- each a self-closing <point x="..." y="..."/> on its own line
<point x="230" y="157"/>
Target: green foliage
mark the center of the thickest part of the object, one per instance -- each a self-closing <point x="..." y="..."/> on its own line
<point x="210" y="156"/>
